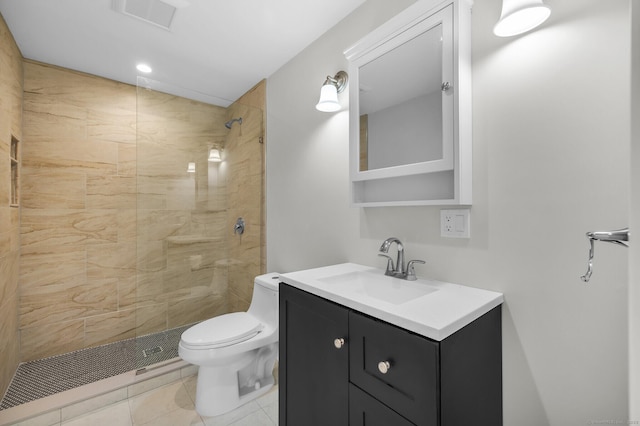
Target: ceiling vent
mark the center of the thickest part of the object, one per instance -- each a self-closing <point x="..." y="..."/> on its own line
<point x="156" y="12"/>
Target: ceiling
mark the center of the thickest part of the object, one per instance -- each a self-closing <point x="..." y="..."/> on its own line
<point x="214" y="50"/>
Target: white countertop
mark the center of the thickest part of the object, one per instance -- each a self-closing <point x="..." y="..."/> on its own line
<point x="433" y="309"/>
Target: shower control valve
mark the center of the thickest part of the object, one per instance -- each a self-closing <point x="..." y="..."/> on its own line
<point x="238" y="228"/>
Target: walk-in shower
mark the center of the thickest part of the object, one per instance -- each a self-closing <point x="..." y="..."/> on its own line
<point x="155" y="244"/>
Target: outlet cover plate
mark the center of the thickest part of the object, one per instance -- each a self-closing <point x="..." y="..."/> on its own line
<point x="455" y="223"/>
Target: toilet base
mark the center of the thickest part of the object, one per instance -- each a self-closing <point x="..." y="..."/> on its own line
<point x="218" y="391"/>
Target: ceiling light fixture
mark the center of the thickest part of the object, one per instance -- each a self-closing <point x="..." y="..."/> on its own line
<point x="329" y="92"/>
<point x="144" y="68"/>
<point x="520" y="16"/>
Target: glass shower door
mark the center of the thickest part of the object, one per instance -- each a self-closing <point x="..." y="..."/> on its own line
<point x="191" y="266"/>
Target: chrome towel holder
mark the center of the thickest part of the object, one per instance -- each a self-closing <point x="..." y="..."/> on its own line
<point x="618" y="236"/>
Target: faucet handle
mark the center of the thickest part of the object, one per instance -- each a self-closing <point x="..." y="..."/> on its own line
<point x="390" y="269"/>
<point x="411" y="272"/>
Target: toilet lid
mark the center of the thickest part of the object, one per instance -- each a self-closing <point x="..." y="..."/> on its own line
<point x="223" y="330"/>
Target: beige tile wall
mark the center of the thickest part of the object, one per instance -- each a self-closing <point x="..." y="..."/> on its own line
<point x="78" y="231"/>
<point x="11" y="80"/>
<point x="181" y="247"/>
<point x="245" y="149"/>
<point x="118" y="239"/>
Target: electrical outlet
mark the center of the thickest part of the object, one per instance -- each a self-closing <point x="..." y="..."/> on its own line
<point x="455" y="223"/>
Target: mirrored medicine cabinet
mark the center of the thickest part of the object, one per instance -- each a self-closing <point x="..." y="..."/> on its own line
<point x="410" y="108"/>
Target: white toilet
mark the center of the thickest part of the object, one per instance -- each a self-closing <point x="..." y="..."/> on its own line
<point x="235" y="352"/>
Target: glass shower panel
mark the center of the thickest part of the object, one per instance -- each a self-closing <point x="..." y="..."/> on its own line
<point x="244" y="155"/>
<point x="190" y="264"/>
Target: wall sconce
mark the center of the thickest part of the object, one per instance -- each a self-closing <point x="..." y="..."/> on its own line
<point x="191" y="168"/>
<point x="329" y="92"/>
<point x="214" y="155"/>
<point x="520" y="16"/>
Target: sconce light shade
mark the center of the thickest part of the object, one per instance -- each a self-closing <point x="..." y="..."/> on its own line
<point x="191" y="168"/>
<point x="520" y="16"/>
<point x="328" y="99"/>
<point x="214" y="156"/>
<point x="329" y="92"/>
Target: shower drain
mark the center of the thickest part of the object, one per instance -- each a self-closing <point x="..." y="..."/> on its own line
<point x="151" y="351"/>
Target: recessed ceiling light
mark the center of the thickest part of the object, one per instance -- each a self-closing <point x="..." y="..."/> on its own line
<point x="144" y="68"/>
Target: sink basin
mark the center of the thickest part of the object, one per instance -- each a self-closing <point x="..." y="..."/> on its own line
<point x="432" y="309"/>
<point x="380" y="287"/>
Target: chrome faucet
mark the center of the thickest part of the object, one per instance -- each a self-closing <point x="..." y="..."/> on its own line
<point x="399" y="270"/>
<point x="384" y="248"/>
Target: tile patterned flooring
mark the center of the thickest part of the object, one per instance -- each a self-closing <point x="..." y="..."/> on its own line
<point x="43" y="377"/>
<point x="174" y="405"/>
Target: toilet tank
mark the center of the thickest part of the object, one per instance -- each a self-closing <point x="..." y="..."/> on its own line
<point x="264" y="302"/>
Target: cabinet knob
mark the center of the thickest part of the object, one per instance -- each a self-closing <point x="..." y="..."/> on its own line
<point x="384" y="366"/>
<point x="338" y="343"/>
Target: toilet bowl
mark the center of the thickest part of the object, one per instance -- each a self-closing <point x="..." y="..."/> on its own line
<point x="235" y="352"/>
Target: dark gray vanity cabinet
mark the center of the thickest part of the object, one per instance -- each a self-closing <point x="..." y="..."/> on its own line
<point x="313" y="385"/>
<point x="341" y="367"/>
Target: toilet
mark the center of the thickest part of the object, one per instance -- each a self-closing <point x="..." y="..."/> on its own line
<point x="235" y="352"/>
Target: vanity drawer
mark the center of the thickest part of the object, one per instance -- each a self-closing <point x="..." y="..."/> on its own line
<point x="411" y="382"/>
<point x="364" y="410"/>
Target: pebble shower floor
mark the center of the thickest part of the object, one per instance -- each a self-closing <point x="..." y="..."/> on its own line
<point x="44" y="377"/>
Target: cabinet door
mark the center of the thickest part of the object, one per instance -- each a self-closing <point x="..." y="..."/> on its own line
<point x="313" y="371"/>
<point x="409" y="384"/>
<point x="367" y="411"/>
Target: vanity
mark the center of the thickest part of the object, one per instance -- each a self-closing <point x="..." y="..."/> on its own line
<point x="361" y="348"/>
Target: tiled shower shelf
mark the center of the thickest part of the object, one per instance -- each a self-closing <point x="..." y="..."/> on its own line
<point x="192" y="239"/>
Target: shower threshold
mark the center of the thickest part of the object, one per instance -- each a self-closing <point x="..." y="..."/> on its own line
<point x="41" y="378"/>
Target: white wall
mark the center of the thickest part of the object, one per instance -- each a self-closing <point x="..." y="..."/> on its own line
<point x="406" y="133"/>
<point x="551" y="143"/>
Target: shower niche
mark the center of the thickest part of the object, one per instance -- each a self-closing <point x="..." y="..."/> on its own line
<point x="410" y="108"/>
<point x="14" y="200"/>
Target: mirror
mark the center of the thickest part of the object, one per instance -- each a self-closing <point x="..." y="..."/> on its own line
<point x="410" y="108"/>
<point x="403" y="100"/>
<point x="401" y="104"/>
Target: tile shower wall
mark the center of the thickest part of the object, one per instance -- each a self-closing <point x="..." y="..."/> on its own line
<point x="244" y="152"/>
<point x="182" y="244"/>
<point x="78" y="235"/>
<point x="11" y="80"/>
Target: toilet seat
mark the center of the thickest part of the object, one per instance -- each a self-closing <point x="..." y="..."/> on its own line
<point x="224" y="330"/>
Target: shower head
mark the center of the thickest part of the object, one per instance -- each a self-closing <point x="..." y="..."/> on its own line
<point x="233" y="120"/>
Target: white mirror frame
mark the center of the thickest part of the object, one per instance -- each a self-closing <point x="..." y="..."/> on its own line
<point x="386" y="186"/>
